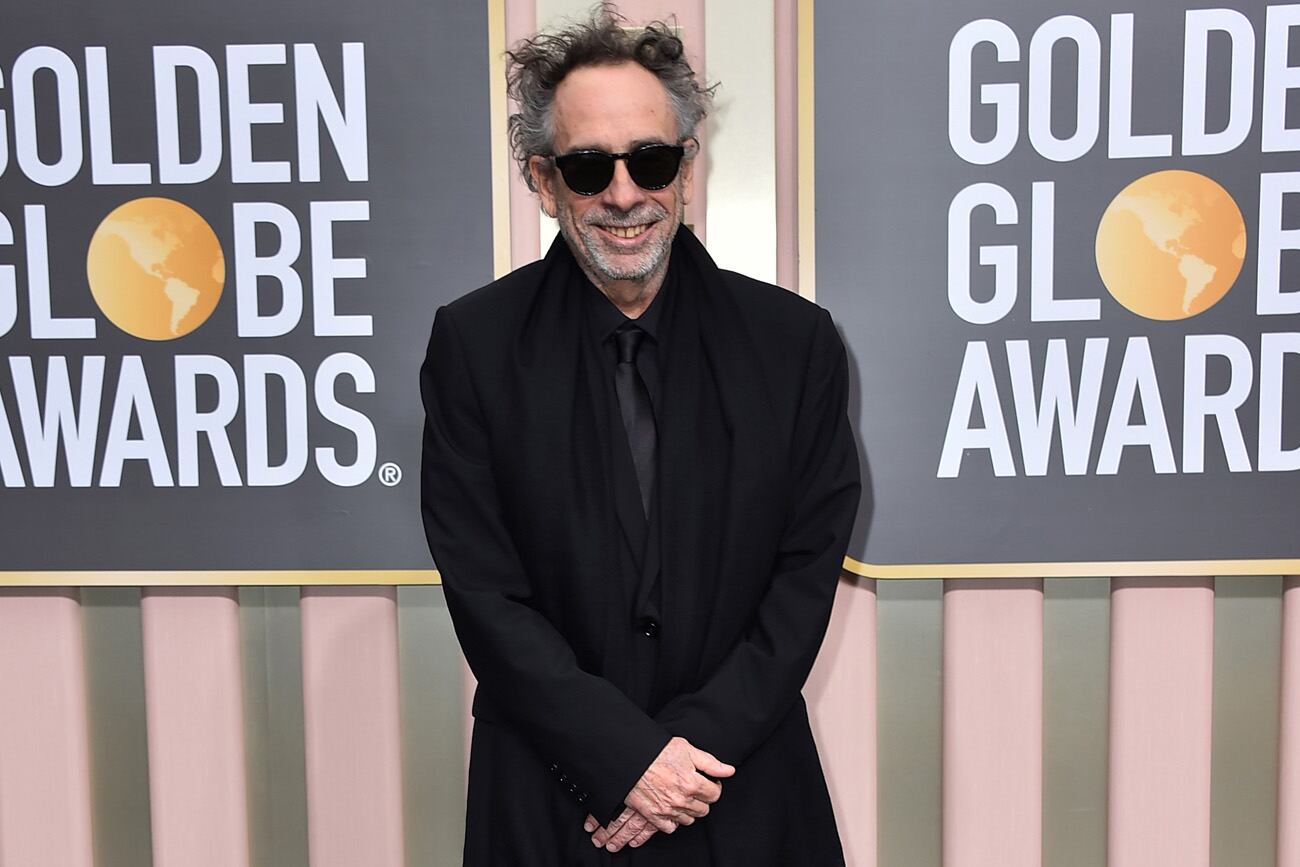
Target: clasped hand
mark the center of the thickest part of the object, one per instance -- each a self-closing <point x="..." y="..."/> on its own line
<point x="673" y="791"/>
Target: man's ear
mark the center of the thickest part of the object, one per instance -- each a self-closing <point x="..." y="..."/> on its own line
<point x="543" y="174"/>
<point x="687" y="170"/>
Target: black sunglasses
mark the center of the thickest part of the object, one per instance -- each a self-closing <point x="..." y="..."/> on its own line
<point x="651" y="167"/>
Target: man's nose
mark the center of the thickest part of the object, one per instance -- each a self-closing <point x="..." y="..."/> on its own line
<point x="622" y="192"/>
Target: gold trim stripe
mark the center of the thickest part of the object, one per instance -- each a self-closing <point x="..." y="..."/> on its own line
<point x="807" y="214"/>
<point x="500" y="163"/>
<point x="1074" y="569"/>
<point x="228" y="578"/>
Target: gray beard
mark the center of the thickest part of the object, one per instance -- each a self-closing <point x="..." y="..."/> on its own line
<point x="587" y="245"/>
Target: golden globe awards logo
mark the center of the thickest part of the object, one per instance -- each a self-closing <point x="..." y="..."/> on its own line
<point x="1169" y="247"/>
<point x="157" y="270"/>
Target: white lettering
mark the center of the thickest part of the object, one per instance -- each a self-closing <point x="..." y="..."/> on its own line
<point x="1122" y="143"/>
<point x="1270" y="298"/>
<point x="1001" y="257"/>
<point x="245" y="114"/>
<point x="1137" y="381"/>
<point x="58" y="422"/>
<point x="1037" y="418"/>
<point x="134" y="399"/>
<point x="167" y="60"/>
<point x="1273" y="350"/>
<point x="347" y="127"/>
<point x="1279" y="79"/>
<point x="68" y="91"/>
<point x="325" y="269"/>
<point x="1198" y="406"/>
<point x="1044" y="306"/>
<point x="976" y="382"/>
<point x="1088" y="104"/>
<point x="1197" y="141"/>
<point x="190" y="422"/>
<point x="249" y="267"/>
<point x="1005" y="96"/>
<point x="44" y="325"/>
<point x="257" y="422"/>
<point x="103" y="169"/>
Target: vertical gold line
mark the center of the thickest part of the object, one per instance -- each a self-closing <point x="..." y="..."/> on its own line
<point x="807" y="177"/>
<point x="500" y="151"/>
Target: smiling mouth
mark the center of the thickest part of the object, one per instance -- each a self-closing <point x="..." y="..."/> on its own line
<point x="627" y="232"/>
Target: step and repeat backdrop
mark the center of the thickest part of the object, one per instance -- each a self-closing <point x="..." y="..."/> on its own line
<point x="1063" y="245"/>
<point x="223" y="236"/>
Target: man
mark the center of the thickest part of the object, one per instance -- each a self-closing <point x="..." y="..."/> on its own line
<point x="638" y="484"/>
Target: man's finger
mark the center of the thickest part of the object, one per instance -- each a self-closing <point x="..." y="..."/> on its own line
<point x="709" y="764"/>
<point x="602" y="835"/>
<point x="590" y="824"/>
<point x="640" y="839"/>
<point x="627" y="833"/>
<point x="695" y="808"/>
<point x="708" y="790"/>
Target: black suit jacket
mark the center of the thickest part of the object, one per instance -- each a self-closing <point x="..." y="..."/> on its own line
<point x="757" y="490"/>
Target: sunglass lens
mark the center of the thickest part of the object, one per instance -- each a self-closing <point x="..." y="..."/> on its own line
<point x="586" y="173"/>
<point x="655" y="166"/>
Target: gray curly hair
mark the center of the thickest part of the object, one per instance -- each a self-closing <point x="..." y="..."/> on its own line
<point x="536" y="66"/>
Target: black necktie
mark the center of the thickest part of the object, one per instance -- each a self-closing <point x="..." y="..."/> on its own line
<point x="634" y="404"/>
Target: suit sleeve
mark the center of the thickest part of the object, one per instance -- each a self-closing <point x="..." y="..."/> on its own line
<point x="575" y="719"/>
<point x="761" y="677"/>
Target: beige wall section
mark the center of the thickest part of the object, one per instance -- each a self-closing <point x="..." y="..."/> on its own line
<point x="741" y="156"/>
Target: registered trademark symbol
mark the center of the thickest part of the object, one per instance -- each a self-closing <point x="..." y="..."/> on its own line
<point x="390" y="474"/>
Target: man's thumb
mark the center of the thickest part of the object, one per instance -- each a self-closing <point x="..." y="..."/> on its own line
<point x="708" y="764"/>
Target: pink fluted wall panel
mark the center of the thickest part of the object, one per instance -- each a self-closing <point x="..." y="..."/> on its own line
<point x="44" y="756"/>
<point x="993" y="723"/>
<point x="841" y="696"/>
<point x="525" y="231"/>
<point x="1162" y="657"/>
<point x="352" y="726"/>
<point x="194" y="713"/>
<point x="786" y="33"/>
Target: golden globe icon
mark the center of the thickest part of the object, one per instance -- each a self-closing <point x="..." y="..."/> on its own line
<point x="155" y="268"/>
<point x="1170" y="245"/>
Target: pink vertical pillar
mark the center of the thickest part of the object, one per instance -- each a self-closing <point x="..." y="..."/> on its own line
<point x="44" y="753"/>
<point x="841" y="695"/>
<point x="352" y="727"/>
<point x="1288" y="800"/>
<point x="525" y="231"/>
<point x="993" y="723"/>
<point x="195" y="719"/>
<point x="1162" y="655"/>
<point x="786" y="32"/>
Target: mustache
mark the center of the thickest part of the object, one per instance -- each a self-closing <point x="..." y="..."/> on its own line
<point x="646" y="212"/>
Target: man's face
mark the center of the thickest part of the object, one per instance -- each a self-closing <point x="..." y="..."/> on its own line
<point x="622" y="233"/>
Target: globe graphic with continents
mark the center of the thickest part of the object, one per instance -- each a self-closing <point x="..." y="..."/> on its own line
<point x="1170" y="245"/>
<point x="155" y="268"/>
